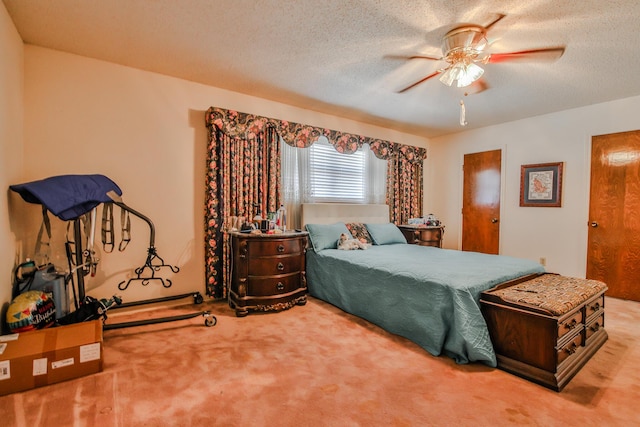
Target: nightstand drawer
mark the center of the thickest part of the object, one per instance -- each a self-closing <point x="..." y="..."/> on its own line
<point x="269" y="266"/>
<point x="271" y="286"/>
<point x="275" y="247"/>
<point x="429" y="235"/>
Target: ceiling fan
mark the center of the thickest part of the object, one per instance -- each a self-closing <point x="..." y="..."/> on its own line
<point x="463" y="49"/>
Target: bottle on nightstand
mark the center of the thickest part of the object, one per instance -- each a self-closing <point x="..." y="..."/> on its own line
<point x="281" y="218"/>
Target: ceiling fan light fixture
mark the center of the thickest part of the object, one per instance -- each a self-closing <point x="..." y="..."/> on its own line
<point x="463" y="74"/>
<point x="449" y="76"/>
<point x="468" y="37"/>
<point x="472" y="72"/>
<point x="446" y="78"/>
<point x="461" y="48"/>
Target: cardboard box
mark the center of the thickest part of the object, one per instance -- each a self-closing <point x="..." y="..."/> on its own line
<point x="47" y="356"/>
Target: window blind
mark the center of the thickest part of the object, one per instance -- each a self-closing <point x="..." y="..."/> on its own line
<point x="336" y="177"/>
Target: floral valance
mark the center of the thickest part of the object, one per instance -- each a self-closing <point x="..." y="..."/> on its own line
<point x="234" y="124"/>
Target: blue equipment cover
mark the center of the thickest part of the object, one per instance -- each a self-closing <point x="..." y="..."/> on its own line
<point x="68" y="196"/>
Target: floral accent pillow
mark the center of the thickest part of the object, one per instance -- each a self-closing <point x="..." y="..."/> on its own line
<point x="359" y="232"/>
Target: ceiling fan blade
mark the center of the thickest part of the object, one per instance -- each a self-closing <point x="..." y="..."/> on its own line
<point x="478" y="86"/>
<point x="432" y="58"/>
<point x="424" y="79"/>
<point x="405" y="57"/>
<point x="548" y="54"/>
<point x="495" y="21"/>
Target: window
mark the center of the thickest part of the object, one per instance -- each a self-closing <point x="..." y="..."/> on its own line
<point x="336" y="177"/>
<point x="322" y="174"/>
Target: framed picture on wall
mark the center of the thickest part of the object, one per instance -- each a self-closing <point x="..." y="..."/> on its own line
<point x="541" y="185"/>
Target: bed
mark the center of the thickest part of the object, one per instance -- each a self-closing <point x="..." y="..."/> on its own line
<point x="426" y="294"/>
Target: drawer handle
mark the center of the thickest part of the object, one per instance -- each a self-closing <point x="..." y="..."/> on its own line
<point x="571" y="349"/>
<point x="280" y="248"/>
<point x="595" y="307"/>
<point x="279" y="286"/>
<point x="595" y="327"/>
<point x="571" y="325"/>
<point x="280" y="266"/>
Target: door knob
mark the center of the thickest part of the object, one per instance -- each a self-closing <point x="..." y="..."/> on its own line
<point x="594" y="224"/>
<point x="494" y="220"/>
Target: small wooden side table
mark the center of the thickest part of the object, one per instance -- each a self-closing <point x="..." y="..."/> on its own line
<point x="423" y="235"/>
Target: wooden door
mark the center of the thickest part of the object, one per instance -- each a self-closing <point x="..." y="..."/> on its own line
<point x="481" y="202"/>
<point x="613" y="250"/>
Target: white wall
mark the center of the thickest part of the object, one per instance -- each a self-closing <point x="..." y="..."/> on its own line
<point x="146" y="132"/>
<point x="11" y="117"/>
<point x="558" y="234"/>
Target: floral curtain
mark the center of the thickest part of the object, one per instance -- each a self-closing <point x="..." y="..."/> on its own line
<point x="243" y="176"/>
<point x="404" y="187"/>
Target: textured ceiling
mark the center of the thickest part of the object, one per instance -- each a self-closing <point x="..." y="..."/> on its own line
<point x="335" y="56"/>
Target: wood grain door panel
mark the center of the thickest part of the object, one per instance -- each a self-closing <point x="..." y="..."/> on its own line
<point x="481" y="202"/>
<point x="613" y="251"/>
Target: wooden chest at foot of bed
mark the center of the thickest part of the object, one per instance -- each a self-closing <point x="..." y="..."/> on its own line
<point x="545" y="328"/>
<point x="268" y="272"/>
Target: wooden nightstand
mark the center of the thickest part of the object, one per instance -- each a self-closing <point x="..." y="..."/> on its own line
<point x="268" y="271"/>
<point x="423" y="236"/>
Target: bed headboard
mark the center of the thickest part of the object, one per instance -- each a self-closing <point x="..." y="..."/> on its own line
<point x="329" y="213"/>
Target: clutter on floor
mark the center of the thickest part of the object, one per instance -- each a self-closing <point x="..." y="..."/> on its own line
<point x="54" y="336"/>
<point x="37" y="358"/>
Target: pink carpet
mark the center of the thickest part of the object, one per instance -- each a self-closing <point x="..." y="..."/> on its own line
<point x="318" y="366"/>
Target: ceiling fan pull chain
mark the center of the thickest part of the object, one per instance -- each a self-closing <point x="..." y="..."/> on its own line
<point x="463" y="117"/>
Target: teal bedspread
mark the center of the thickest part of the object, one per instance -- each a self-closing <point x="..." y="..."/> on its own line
<point x="428" y="295"/>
